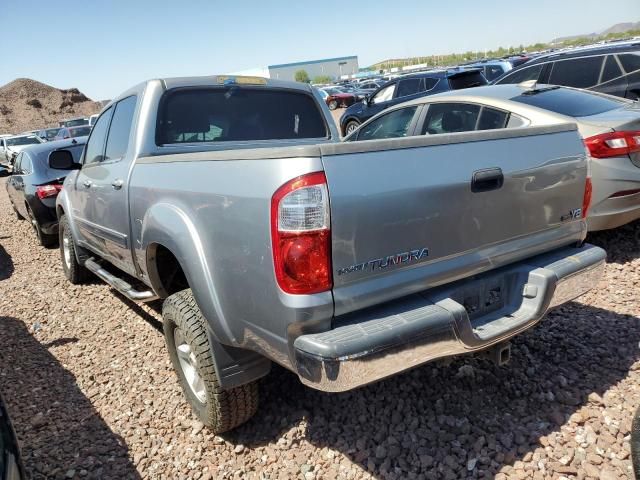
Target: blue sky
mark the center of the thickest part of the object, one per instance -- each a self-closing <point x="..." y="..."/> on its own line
<point x="104" y="47"/>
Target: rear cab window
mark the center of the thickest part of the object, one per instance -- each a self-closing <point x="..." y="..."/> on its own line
<point x="237" y="114"/>
<point x="565" y="101"/>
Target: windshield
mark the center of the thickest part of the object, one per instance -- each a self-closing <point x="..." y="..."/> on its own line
<point x="17" y="141"/>
<point x="565" y="101"/>
<point x="467" y="80"/>
<point x="80" y="131"/>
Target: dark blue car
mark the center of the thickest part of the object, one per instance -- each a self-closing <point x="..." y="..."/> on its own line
<point x="405" y="88"/>
<point x="34" y="186"/>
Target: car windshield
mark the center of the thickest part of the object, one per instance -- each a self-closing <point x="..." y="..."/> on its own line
<point x="17" y="141"/>
<point x="80" y="131"/>
<point x="565" y="101"/>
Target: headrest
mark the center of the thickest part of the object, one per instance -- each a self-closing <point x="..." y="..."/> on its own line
<point x="451" y="122"/>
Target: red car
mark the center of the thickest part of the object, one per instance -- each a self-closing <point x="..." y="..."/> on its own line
<point x="337" y="98"/>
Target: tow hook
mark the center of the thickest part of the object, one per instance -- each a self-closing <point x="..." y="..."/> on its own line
<point x="499" y="354"/>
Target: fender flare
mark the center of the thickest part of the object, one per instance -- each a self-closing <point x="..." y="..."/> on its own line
<point x="167" y="225"/>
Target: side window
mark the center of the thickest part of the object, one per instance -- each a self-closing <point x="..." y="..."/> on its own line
<point x="95" y="146"/>
<point x="523" y="74"/>
<point x="118" y="139"/>
<point x="491" y="72"/>
<point x="17" y="163"/>
<point x="490" y="119"/>
<point x="25" y="165"/>
<point x="407" y="87"/>
<point x="577" y="72"/>
<point x="611" y="69"/>
<point x="450" y="118"/>
<point x="385" y="94"/>
<point x="428" y="83"/>
<point x="630" y="61"/>
<point x="394" y="124"/>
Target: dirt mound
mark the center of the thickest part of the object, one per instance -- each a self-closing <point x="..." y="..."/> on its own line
<point x="26" y="104"/>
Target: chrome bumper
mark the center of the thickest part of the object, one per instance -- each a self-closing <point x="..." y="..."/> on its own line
<point x="368" y="346"/>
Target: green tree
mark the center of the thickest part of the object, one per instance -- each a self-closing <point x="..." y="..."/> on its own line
<point x="302" y="76"/>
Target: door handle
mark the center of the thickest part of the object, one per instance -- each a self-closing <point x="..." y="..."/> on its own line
<point x="87" y="183"/>
<point x="117" y="184"/>
<point x="486" y="180"/>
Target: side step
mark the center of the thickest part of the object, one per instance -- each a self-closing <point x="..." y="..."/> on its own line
<point x="120" y="285"/>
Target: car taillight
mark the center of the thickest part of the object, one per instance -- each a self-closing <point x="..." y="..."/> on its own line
<point x="301" y="235"/>
<point x="586" y="198"/>
<point x="613" y="144"/>
<point x="47" y="191"/>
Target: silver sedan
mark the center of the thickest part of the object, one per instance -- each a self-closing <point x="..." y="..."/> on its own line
<point x="609" y="125"/>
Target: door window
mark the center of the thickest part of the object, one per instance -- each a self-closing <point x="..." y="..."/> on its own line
<point x="95" y="146"/>
<point x="611" y="69"/>
<point x="491" y="119"/>
<point x="450" y="118"/>
<point x="118" y="139"/>
<point x="630" y="61"/>
<point x="25" y="165"/>
<point x="16" y="164"/>
<point x="394" y="124"/>
<point x="577" y="72"/>
<point x="384" y="95"/>
<point x="491" y="72"/>
<point x="410" y="86"/>
<point x="523" y="75"/>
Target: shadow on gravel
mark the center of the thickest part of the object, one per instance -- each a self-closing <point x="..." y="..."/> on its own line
<point x="437" y="418"/>
<point x="6" y="264"/>
<point x="60" y="432"/>
<point x="622" y="244"/>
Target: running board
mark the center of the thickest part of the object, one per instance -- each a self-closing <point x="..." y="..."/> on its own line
<point x="120" y="285"/>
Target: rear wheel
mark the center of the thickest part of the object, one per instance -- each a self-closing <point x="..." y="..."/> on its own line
<point x="352" y="125"/>
<point x="73" y="270"/>
<point x="188" y="344"/>
<point x="333" y="104"/>
<point x="44" y="239"/>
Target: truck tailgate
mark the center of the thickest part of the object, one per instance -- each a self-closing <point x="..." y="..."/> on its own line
<point x="414" y="213"/>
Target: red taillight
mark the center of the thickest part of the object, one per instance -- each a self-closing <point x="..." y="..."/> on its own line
<point x="47" y="191"/>
<point x="301" y="235"/>
<point x="586" y="199"/>
<point x="613" y="144"/>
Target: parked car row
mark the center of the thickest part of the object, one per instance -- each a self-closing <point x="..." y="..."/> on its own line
<point x="449" y="232"/>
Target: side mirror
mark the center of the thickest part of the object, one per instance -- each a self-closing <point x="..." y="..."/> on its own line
<point x="62" y="160"/>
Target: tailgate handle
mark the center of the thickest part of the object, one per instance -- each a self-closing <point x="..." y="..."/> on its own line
<point x="486" y="180"/>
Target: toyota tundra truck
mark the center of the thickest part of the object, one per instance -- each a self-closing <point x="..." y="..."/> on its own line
<point x="269" y="240"/>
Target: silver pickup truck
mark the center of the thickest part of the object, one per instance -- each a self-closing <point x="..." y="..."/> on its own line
<point x="232" y="199"/>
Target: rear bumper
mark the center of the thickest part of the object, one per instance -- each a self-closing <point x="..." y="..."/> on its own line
<point x="614" y="212"/>
<point x="379" y="342"/>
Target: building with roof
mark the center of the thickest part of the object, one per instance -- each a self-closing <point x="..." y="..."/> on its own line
<point x="335" y="68"/>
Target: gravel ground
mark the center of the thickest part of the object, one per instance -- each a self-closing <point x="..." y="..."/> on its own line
<point x="92" y="394"/>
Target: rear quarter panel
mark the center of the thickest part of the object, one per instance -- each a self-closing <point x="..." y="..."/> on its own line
<point x="214" y="216"/>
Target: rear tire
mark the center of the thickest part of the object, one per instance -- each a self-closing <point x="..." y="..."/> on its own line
<point x="333" y="104"/>
<point x="351" y="126"/>
<point x="190" y="353"/>
<point x="73" y="270"/>
<point x="44" y="240"/>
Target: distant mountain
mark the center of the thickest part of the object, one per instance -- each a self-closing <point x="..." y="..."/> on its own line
<point x="617" y="28"/>
<point x="26" y="104"/>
